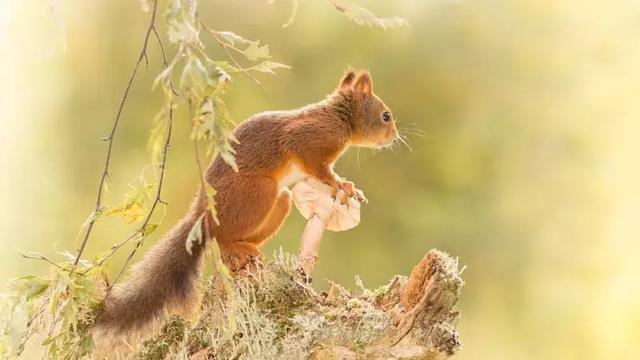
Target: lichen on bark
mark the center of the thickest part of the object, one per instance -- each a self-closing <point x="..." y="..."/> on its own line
<point x="273" y="313"/>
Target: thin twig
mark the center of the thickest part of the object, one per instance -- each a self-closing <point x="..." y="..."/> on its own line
<point x="165" y="62"/>
<point x="110" y="138"/>
<point x="197" y="156"/>
<point x="196" y="152"/>
<point x="44" y="258"/>
<point x="157" y="199"/>
<point x="29" y="331"/>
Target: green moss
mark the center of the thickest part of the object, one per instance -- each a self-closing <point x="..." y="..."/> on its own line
<point x="170" y="336"/>
<point x="273" y="314"/>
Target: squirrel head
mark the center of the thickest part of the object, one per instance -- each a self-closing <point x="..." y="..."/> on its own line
<point x="371" y="121"/>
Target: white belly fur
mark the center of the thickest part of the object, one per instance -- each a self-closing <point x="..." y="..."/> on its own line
<point x="294" y="175"/>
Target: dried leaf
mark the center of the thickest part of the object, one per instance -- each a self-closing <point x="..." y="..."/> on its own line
<point x="195" y="235"/>
<point x="133" y="208"/>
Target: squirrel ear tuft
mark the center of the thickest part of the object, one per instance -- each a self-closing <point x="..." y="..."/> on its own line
<point x="347" y="80"/>
<point x="364" y="83"/>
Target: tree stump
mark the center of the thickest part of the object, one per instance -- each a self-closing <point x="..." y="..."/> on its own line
<point x="273" y="313"/>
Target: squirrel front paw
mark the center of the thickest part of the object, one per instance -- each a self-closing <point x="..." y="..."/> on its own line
<point x="350" y="191"/>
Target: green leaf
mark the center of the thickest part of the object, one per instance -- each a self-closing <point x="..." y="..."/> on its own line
<point x="255" y="52"/>
<point x="164" y="76"/>
<point x="87" y="345"/>
<point x="362" y="16"/>
<point x="211" y="202"/>
<point x="59" y="309"/>
<point x="204" y="126"/>
<point x="195" y="76"/>
<point x="183" y="32"/>
<point x="131" y="211"/>
<point x="134" y="207"/>
<point x="252" y="51"/>
<point x="148" y="229"/>
<point x="223" y="76"/>
<point x="31" y="286"/>
<point x="269" y="67"/>
<point x="233" y="38"/>
<point x="224" y="65"/>
<point x="155" y="144"/>
<point x="50" y="340"/>
<point x="229" y="159"/>
<point x="69" y="314"/>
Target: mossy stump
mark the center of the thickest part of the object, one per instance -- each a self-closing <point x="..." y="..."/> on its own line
<point x="272" y="313"/>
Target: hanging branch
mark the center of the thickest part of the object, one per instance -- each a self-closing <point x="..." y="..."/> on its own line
<point x="142" y="230"/>
<point x="111" y="137"/>
<point x="165" y="62"/>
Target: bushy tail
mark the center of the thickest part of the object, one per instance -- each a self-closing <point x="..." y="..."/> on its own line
<point x="164" y="282"/>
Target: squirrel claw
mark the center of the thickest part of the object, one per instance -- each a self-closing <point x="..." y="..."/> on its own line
<point x="360" y="197"/>
<point x="350" y="191"/>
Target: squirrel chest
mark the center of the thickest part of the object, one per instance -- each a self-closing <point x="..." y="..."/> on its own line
<point x="290" y="176"/>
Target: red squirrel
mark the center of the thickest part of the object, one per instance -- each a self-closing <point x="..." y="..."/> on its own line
<point x="274" y="150"/>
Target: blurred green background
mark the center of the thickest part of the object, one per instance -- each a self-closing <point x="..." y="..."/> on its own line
<point x="527" y="171"/>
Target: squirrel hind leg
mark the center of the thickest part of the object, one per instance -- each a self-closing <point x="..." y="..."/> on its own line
<point x="273" y="222"/>
<point x="238" y="255"/>
<point x="242" y="204"/>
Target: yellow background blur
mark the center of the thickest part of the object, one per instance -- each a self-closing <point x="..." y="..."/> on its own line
<point x="528" y="170"/>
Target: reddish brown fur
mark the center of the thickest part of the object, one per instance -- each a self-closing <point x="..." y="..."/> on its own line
<point x="251" y="207"/>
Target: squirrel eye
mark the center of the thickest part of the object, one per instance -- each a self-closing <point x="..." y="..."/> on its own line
<point x="386" y="116"/>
